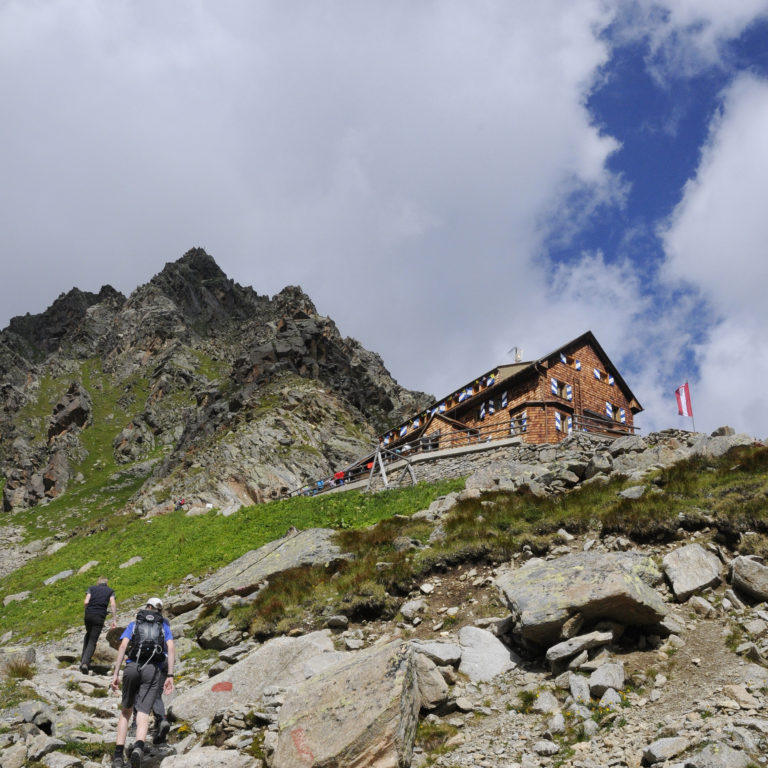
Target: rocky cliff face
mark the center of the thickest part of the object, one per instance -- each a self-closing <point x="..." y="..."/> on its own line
<point x="219" y="394"/>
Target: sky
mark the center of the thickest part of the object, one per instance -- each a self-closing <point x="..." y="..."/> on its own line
<point x="446" y="180"/>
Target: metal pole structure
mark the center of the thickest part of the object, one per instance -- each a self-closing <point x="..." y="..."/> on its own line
<point x="378" y="458"/>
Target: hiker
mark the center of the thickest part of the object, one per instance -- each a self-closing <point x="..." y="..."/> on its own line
<point x="147" y="645"/>
<point x="98" y="599"/>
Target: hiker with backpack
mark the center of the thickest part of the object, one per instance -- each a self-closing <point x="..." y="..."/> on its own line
<point x="98" y="599"/>
<point x="148" y="648"/>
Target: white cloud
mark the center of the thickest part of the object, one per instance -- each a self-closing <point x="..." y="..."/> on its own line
<point x="686" y="36"/>
<point x="401" y="162"/>
<point x="716" y="241"/>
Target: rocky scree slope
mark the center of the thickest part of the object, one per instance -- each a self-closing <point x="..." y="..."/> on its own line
<point x="217" y="394"/>
<point x="600" y="651"/>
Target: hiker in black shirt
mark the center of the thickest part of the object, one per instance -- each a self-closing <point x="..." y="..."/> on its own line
<point x="98" y="599"/>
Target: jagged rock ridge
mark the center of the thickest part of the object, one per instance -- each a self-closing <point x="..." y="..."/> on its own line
<point x="192" y="371"/>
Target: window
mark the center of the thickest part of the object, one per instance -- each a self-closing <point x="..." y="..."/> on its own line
<point x="615" y="413"/>
<point x="571" y="362"/>
<point x="563" y="422"/>
<point x="518" y="423"/>
<point x="601" y="375"/>
<point x="431" y="442"/>
<point x="561" y="389"/>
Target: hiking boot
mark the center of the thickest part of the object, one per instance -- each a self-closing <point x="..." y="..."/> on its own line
<point x="162" y="732"/>
<point x="136" y="757"/>
<point x="118" y="762"/>
<point x="84" y="669"/>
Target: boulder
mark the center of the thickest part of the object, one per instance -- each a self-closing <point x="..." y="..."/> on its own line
<point x="606" y="676"/>
<point x="579" y="688"/>
<point x="278" y="662"/>
<point x="58" y="577"/>
<point x="543" y="595"/>
<point x="719" y="755"/>
<point x="441" y="652"/>
<point x="568" y="648"/>
<point x="220" y="635"/>
<point x="211" y="757"/>
<point x="242" y="576"/>
<point x="483" y="656"/>
<point x="15" y="756"/>
<point x="691" y="569"/>
<point x="61" y="760"/>
<point x="664" y="749"/>
<point x="433" y="690"/>
<point x="719" y="445"/>
<point x="363" y="712"/>
<point x="750" y="576"/>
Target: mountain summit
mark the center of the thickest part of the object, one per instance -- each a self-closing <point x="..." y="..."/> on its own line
<point x="199" y="386"/>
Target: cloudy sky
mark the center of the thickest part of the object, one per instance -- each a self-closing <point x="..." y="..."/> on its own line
<point x="446" y="180"/>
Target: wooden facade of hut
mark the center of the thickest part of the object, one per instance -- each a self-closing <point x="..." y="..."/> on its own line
<point x="574" y="388"/>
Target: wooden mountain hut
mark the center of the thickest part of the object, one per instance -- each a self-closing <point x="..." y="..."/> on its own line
<point x="574" y="388"/>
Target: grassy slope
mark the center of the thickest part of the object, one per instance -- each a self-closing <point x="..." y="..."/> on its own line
<point x="173" y="545"/>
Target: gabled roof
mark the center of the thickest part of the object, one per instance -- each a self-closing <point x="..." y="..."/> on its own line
<point x="589" y="338"/>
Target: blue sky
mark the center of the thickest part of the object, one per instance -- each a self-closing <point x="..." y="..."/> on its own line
<point x="446" y="180"/>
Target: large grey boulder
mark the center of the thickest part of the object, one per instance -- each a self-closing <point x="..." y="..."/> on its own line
<point x="211" y="757"/>
<point x="664" y="749"/>
<point x="750" y="576"/>
<point x="483" y="655"/>
<point x="691" y="569"/>
<point x="363" y="712"/>
<point x="719" y="445"/>
<point x="719" y="755"/>
<point x="278" y="662"/>
<point x="443" y="653"/>
<point x="543" y="595"/>
<point x="610" y="675"/>
<point x="242" y="576"/>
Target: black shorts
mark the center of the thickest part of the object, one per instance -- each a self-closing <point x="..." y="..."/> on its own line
<point x="141" y="686"/>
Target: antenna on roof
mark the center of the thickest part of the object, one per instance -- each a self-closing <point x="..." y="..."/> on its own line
<point x="517" y="354"/>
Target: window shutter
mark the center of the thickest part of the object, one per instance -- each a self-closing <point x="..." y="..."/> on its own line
<point x="597" y="373"/>
<point x="525" y="420"/>
<point x="609" y="410"/>
<point x="568" y="392"/>
<point x="558" y="422"/>
<point x="577" y="365"/>
<point x="610" y="380"/>
<point x="570" y="424"/>
<point x="553" y="386"/>
<point x="622" y="416"/>
<point x="563" y="358"/>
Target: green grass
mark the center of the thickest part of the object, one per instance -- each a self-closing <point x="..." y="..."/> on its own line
<point x="174" y="545"/>
<point x="207" y="366"/>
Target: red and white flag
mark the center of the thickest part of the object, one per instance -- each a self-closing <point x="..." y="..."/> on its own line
<point x="683" y="396"/>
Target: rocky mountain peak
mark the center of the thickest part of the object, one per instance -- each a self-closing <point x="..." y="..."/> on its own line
<point x="201" y="290"/>
<point x="190" y="356"/>
<point x="293" y="302"/>
<point x="37" y="335"/>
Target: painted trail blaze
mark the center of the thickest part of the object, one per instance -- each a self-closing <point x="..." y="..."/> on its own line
<point x="223" y="686"/>
<point x="300" y="742"/>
